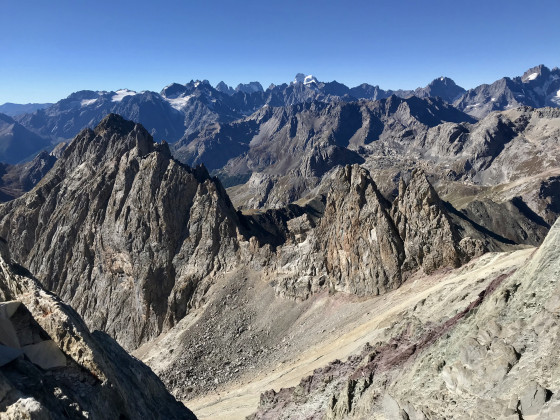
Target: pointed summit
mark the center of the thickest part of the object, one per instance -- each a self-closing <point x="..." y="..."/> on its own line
<point x="534" y="73"/>
<point x="303" y="79"/>
<point x="222" y="87"/>
<point x="431" y="239"/>
<point x="442" y="87"/>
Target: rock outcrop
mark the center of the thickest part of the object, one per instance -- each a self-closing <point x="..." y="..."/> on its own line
<point x="361" y="244"/>
<point x="430" y="239"/>
<point x="52" y="367"/>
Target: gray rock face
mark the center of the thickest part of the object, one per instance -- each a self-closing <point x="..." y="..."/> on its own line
<point x="67" y="372"/>
<point x="355" y="247"/>
<point x="122" y="232"/>
<point x="364" y="246"/>
<point x="430" y="238"/>
<point x="133" y="239"/>
<point x="280" y="155"/>
<point x="492" y="359"/>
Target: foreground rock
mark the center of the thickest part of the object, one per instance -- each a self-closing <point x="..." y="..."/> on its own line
<point x="52" y="367"/>
<point x="494" y="358"/>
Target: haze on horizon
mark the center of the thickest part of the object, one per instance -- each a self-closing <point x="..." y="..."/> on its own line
<point x="54" y="49"/>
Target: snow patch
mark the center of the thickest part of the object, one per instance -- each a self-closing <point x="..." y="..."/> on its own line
<point x="179" y="103"/>
<point x="556" y="99"/>
<point x="309" y="79"/>
<point x="87" y="102"/>
<point x="306" y="80"/>
<point x="121" y="94"/>
<point x="532" y="76"/>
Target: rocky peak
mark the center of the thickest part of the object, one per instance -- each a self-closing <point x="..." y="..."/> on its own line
<point x="356" y="223"/>
<point x="123" y="232"/>
<point x="364" y="245"/>
<point x="430" y="238"/>
<point x="304" y="79"/>
<point x="251" y="87"/>
<point x="535" y="72"/>
<point x="222" y="87"/>
<point x="173" y="91"/>
<point x="113" y="137"/>
<point x="442" y="87"/>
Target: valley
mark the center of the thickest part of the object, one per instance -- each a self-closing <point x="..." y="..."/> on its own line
<point x="308" y="251"/>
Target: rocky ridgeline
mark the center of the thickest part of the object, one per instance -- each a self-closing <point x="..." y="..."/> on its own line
<point x="122" y="232"/>
<point x="133" y="240"/>
<point x="53" y="367"/>
<point x="365" y="245"/>
<point x="474" y="349"/>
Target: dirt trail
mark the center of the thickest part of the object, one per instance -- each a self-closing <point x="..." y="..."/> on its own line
<point x="372" y="316"/>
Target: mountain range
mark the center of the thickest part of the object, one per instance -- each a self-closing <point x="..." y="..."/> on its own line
<point x="153" y="253"/>
<point x="181" y="109"/>
<point x="305" y="251"/>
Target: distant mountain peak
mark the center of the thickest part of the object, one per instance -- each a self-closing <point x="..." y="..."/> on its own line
<point x="535" y="72"/>
<point x="222" y="87"/>
<point x="250" y="87"/>
<point x="442" y="80"/>
<point x="306" y="80"/>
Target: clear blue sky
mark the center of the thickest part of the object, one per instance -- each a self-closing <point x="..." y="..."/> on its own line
<point x="49" y="49"/>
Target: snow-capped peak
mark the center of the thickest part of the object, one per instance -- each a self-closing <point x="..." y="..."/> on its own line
<point x="309" y="79"/>
<point x="306" y="80"/>
<point x="121" y="93"/>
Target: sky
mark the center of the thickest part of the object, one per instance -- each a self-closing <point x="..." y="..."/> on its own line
<point x="49" y="49"/>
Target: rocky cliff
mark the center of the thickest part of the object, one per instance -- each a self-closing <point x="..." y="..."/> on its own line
<point x="362" y="244"/>
<point x="132" y="239"/>
<point x="122" y="232"/>
<point x="279" y="155"/>
<point x="52" y="367"/>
